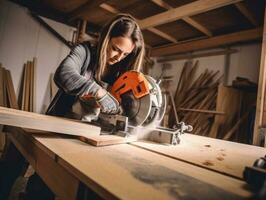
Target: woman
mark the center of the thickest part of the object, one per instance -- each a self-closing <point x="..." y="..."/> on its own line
<point x="86" y="71"/>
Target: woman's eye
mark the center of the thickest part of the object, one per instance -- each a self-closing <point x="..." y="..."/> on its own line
<point x="114" y="48"/>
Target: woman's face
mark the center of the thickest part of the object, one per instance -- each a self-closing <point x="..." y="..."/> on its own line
<point x="118" y="49"/>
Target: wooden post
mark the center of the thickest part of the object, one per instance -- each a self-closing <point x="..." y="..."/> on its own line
<point x="260" y="120"/>
<point x="82" y="31"/>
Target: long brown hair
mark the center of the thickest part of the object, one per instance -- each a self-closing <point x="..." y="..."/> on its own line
<point x="121" y="25"/>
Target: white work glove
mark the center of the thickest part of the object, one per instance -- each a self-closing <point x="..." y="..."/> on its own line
<point x="108" y="104"/>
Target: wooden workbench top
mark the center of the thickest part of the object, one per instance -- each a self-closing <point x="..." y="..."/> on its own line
<point x="222" y="156"/>
<point x="126" y="171"/>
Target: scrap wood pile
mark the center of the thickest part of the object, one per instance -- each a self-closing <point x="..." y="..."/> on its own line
<point x="8" y="96"/>
<point x="212" y="109"/>
<point x="195" y="97"/>
<point x="7" y="91"/>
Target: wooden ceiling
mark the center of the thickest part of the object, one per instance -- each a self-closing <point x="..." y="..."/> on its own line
<point x="166" y="24"/>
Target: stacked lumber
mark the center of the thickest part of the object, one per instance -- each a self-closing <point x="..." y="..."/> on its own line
<point x="195" y="98"/>
<point x="7" y="91"/>
<point x="27" y="101"/>
<point x="212" y="109"/>
<point x="7" y="98"/>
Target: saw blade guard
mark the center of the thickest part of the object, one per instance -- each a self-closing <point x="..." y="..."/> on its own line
<point x="158" y="103"/>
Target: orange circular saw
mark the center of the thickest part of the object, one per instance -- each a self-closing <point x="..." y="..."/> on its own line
<point x="140" y="98"/>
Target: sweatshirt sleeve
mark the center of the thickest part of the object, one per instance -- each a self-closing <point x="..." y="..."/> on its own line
<point x="68" y="75"/>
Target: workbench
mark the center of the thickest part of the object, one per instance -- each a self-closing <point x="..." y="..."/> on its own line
<point x="198" y="168"/>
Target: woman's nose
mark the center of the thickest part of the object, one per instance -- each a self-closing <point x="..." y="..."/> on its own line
<point x="119" y="57"/>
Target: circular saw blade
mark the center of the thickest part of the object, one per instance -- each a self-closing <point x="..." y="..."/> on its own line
<point x="137" y="110"/>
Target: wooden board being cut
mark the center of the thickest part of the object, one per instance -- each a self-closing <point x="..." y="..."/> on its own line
<point x="225" y="157"/>
<point x="128" y="172"/>
<point x="18" y="118"/>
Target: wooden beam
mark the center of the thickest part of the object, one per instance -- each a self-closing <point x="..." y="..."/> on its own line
<point x="18" y="118"/>
<point x="260" y="119"/>
<point x="212" y="42"/>
<point x="190" y="9"/>
<point x="197" y="25"/>
<point x="188" y="20"/>
<point x="85" y="8"/>
<point x="151" y="29"/>
<point x="198" y="55"/>
<point x="247" y="13"/>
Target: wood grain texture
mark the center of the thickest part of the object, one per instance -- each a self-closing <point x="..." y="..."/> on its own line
<point x="222" y="156"/>
<point x="228" y="101"/>
<point x="260" y="119"/>
<point x="128" y="172"/>
<point x="246" y="35"/>
<point x="37" y="121"/>
<point x="34" y="84"/>
<point x="184" y="11"/>
<point x="62" y="183"/>
<point x="11" y="91"/>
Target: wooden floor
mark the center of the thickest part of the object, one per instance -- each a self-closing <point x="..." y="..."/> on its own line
<point x="140" y="170"/>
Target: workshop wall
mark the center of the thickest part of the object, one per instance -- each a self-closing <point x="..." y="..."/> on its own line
<point x="21" y="39"/>
<point x="244" y="63"/>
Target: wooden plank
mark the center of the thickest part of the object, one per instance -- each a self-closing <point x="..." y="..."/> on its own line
<point x="247" y="13"/>
<point x="236" y="126"/>
<point x="27" y="86"/>
<point x="31" y="87"/>
<point x="212" y="42"/>
<point x="202" y="111"/>
<point x="37" y="121"/>
<point x="190" y="9"/>
<point x="68" y="128"/>
<point x="188" y="20"/>
<point x="2" y="103"/>
<point x="2" y="89"/>
<point x="260" y="118"/>
<point x="225" y="157"/>
<point x="85" y="8"/>
<point x="23" y="87"/>
<point x="228" y="101"/>
<point x="197" y="55"/>
<point x="11" y="91"/>
<point x="156" y="31"/>
<point x="198" y="26"/>
<point x="142" y="174"/>
<point x="34" y="84"/>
